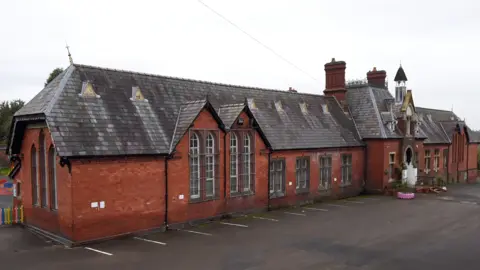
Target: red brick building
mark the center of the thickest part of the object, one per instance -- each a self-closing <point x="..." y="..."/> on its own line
<point x="100" y="152"/>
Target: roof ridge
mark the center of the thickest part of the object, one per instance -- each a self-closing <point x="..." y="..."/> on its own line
<point x="200" y="81"/>
<point x="425" y="108"/>
<point x="59" y="89"/>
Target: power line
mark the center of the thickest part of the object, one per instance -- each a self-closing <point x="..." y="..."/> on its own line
<point x="258" y="41"/>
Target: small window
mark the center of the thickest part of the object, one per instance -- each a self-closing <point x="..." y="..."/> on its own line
<point x="277" y="178"/>
<point x="194" y="166"/>
<point x="210" y="166"/>
<point x="34" y="175"/>
<point x="233" y="163"/>
<point x="53" y="178"/>
<point x="427" y="161"/>
<point x="43" y="164"/>
<point x="436" y="159"/>
<point x="346" y="169"/>
<point x="445" y="158"/>
<point x="246" y="162"/>
<point x="391" y="166"/>
<point x="325" y="172"/>
<point x="303" y="173"/>
<point x="324" y="108"/>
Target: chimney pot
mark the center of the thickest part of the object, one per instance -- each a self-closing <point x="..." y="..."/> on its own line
<point x="335" y="79"/>
<point x="377" y="77"/>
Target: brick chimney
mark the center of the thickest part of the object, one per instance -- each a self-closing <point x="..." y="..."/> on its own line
<point x="291" y="89"/>
<point x="335" y="79"/>
<point x="377" y="78"/>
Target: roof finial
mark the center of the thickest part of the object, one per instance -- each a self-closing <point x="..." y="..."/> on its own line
<point x="69" y="55"/>
<point x="400" y="62"/>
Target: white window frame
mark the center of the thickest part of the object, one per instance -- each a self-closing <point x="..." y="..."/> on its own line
<point x="325" y="171"/>
<point x="247" y="170"/>
<point x="436" y="159"/>
<point x="194" y="163"/>
<point x="277" y="177"/>
<point x="302" y="173"/>
<point x="347" y="169"/>
<point x="52" y="163"/>
<point x="427" y="161"/>
<point x="391" y="165"/>
<point x="210" y="163"/>
<point x="233" y="162"/>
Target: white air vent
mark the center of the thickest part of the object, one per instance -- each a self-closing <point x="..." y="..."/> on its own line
<point x="137" y="94"/>
<point x="87" y="90"/>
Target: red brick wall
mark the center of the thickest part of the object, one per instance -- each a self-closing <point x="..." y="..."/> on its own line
<point x="378" y="161"/>
<point x="472" y="162"/>
<point x="314" y="192"/>
<point x="181" y="210"/>
<point x="260" y="199"/>
<point x="441" y="170"/>
<point x="133" y="189"/>
<point x="58" y="221"/>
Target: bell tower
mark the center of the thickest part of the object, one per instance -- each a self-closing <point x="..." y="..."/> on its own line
<point x="400" y="85"/>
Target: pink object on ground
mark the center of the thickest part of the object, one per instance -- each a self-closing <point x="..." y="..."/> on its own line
<point x="406" y="195"/>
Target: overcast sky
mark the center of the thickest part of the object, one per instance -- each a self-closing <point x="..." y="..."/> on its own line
<point x="437" y="43"/>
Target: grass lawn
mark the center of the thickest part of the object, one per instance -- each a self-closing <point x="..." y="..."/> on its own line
<point x="4" y="171"/>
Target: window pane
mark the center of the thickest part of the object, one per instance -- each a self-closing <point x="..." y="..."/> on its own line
<point x="53" y="178"/>
<point x="34" y="177"/>
<point x="194" y="167"/>
<point x="42" y="163"/>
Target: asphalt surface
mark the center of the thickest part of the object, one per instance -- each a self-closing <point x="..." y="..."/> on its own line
<point x="370" y="233"/>
<point x="6" y="201"/>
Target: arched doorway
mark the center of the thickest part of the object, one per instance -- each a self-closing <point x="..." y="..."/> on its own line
<point x="408" y="156"/>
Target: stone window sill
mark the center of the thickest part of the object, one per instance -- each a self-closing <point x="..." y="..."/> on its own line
<point x="274" y="195"/>
<point x="302" y="191"/>
<point x="202" y="200"/>
<point x="242" y="194"/>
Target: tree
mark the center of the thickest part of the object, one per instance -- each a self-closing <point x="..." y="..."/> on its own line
<point x="53" y="75"/>
<point x="7" y="110"/>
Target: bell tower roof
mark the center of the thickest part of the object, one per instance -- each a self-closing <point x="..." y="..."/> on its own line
<point x="400" y="76"/>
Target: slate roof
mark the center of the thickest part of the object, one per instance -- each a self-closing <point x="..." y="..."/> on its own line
<point x="400" y="76"/>
<point x="230" y="112"/>
<point x="368" y="106"/>
<point x="113" y="124"/>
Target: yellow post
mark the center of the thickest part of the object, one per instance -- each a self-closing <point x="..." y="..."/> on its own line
<point x="7" y="215"/>
<point x="21" y="214"/>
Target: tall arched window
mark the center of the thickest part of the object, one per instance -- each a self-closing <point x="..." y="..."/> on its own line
<point x="210" y="165"/>
<point x="41" y="163"/>
<point x="52" y="176"/>
<point x="34" y="174"/>
<point x="246" y="162"/>
<point x="233" y="163"/>
<point x="194" y="166"/>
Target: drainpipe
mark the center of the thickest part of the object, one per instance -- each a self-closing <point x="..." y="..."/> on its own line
<point x="268" y="171"/>
<point x="225" y="170"/>
<point x="165" y="221"/>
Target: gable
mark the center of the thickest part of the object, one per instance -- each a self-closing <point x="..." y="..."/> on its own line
<point x="408" y="102"/>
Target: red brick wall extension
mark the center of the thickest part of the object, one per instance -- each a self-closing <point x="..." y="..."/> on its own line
<point x="472" y="162"/>
<point x="133" y="189"/>
<point x="441" y="170"/>
<point x="315" y="193"/>
<point x="57" y="221"/>
<point x="378" y="162"/>
<point x="181" y="209"/>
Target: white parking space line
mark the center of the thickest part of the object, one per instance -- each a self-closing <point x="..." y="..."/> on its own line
<point x="201" y="233"/>
<point x="295" y="214"/>
<point x="234" y="224"/>
<point x="264" y="218"/>
<point x="150" y="241"/>
<point x="316" y="209"/>
<point x="99" y="251"/>
<point x="335" y="205"/>
<point x="356" y="202"/>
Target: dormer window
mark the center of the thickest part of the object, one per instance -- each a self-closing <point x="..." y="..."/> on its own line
<point x="304" y="107"/>
<point x="251" y="104"/>
<point x="278" y="106"/>
<point x="325" y="108"/>
<point x="87" y="90"/>
<point x="391" y="126"/>
<point x="429" y="116"/>
<point x="137" y="94"/>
